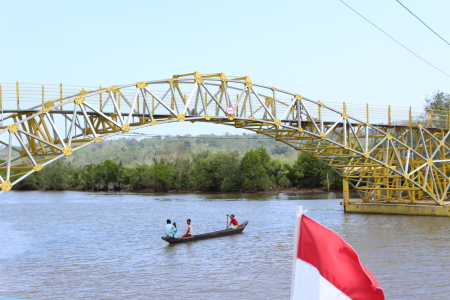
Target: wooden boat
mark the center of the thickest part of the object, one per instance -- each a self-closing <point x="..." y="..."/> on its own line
<point x="208" y="235"/>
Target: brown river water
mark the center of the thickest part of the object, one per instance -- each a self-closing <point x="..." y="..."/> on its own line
<point x="82" y="245"/>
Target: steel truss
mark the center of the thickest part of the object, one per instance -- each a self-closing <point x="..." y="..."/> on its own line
<point x="383" y="162"/>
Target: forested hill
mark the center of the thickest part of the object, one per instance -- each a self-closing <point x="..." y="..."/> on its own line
<point x="144" y="150"/>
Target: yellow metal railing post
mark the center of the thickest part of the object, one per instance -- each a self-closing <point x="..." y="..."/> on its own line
<point x="137" y="100"/>
<point x="60" y="94"/>
<point x="17" y="95"/>
<point x="389" y="115"/>
<point x="153" y="105"/>
<point x="318" y="113"/>
<point x="430" y="117"/>
<point x="448" y="119"/>
<point x="101" y="99"/>
<point x="410" y="116"/>
<point x="43" y="98"/>
<point x="367" y="113"/>
<point x="346" y="135"/>
<point x="217" y="109"/>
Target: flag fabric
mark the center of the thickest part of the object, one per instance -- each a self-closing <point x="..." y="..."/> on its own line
<point x="328" y="268"/>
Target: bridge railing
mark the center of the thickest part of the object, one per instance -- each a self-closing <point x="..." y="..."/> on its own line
<point x="22" y="96"/>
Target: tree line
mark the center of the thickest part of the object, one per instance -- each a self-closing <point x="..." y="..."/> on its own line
<point x="222" y="171"/>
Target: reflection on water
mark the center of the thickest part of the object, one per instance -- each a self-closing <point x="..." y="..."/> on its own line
<point x="76" y="245"/>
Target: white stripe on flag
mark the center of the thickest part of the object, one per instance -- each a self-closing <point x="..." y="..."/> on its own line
<point x="309" y="284"/>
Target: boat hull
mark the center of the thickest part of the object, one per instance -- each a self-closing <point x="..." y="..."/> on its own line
<point x="205" y="236"/>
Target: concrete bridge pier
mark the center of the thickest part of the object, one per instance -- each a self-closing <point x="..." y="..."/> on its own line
<point x="403" y="207"/>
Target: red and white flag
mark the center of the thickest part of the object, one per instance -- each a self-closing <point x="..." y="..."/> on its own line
<point x="326" y="267"/>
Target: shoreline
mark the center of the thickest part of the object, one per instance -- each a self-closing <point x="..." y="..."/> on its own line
<point x="280" y="190"/>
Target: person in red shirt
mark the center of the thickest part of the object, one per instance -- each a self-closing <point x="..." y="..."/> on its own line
<point x="233" y="222"/>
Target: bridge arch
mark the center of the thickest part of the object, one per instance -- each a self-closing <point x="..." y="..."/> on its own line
<point x="384" y="162"/>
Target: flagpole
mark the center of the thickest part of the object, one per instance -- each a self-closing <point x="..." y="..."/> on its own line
<point x="298" y="214"/>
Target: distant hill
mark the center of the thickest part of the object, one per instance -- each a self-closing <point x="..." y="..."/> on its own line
<point x="132" y="151"/>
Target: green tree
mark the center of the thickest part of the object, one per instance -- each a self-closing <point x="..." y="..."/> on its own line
<point x="55" y="176"/>
<point x="308" y="170"/>
<point x="330" y="178"/>
<point x="139" y="177"/>
<point x="439" y="101"/>
<point x="230" y="169"/>
<point x="89" y="177"/>
<point x="438" y="107"/>
<point x="254" y="169"/>
<point x="164" y="176"/>
<point x="75" y="178"/>
<point x="182" y="165"/>
<point x="280" y="149"/>
<point x="205" y="173"/>
<point x="111" y="173"/>
<point x="28" y="183"/>
<point x="216" y="172"/>
<point x="277" y="173"/>
<point x="291" y="174"/>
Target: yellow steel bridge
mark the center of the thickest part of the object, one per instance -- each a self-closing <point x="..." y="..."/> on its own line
<point x="389" y="155"/>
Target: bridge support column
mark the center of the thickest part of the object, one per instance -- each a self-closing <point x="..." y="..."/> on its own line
<point x="396" y="209"/>
<point x="345" y="191"/>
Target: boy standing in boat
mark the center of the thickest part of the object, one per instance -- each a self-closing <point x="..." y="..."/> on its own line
<point x="189" y="229"/>
<point x="233" y="222"/>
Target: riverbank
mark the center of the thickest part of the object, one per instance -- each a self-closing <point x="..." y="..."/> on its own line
<point x="280" y="190"/>
<point x="283" y="190"/>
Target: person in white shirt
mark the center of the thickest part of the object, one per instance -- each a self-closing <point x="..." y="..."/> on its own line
<point x="169" y="229"/>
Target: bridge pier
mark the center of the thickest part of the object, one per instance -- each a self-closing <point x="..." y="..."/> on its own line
<point x="396" y="209"/>
<point x="420" y="208"/>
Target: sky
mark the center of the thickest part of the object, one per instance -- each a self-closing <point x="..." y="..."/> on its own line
<point x="320" y="49"/>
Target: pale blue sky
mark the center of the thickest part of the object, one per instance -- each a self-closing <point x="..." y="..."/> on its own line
<point x="319" y="49"/>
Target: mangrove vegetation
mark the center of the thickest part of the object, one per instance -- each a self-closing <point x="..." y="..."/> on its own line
<point x="181" y="169"/>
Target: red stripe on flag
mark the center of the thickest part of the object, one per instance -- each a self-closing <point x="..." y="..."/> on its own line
<point x="336" y="261"/>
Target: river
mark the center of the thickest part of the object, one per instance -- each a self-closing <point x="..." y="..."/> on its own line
<point x="83" y="245"/>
